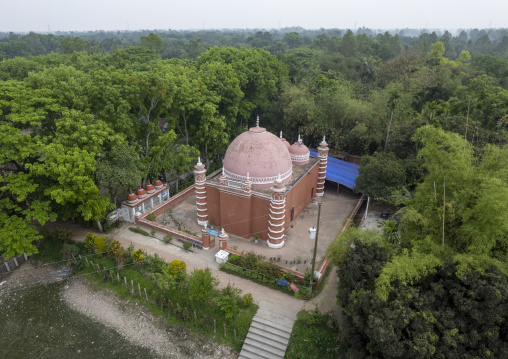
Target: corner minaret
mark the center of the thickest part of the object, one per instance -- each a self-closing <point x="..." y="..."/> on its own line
<point x="200" y="178"/>
<point x="277" y="214"/>
<point x="323" y="159"/>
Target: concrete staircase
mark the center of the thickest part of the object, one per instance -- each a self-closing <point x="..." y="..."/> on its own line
<point x="268" y="336"/>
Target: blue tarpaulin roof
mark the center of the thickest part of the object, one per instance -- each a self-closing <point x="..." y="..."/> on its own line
<point x="340" y="171"/>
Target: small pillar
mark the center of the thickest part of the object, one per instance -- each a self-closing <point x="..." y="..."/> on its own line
<point x="205" y="238"/>
<point x="200" y="178"/>
<point x="277" y="214"/>
<point x="223" y="239"/>
<point x="323" y="159"/>
<point x="223" y="179"/>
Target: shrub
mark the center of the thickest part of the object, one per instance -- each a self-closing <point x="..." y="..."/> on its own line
<point x="152" y="232"/>
<point x="154" y="263"/>
<point x="151" y="217"/>
<point x="303" y="293"/>
<point x="138" y="230"/>
<point x="233" y="258"/>
<point x="247" y="299"/>
<point x="115" y="247"/>
<point x="187" y="245"/>
<point x="201" y="285"/>
<point x="69" y="251"/>
<point x="100" y="246"/>
<point x="137" y="256"/>
<point x="176" y="267"/>
<point x="228" y="301"/>
<point x="89" y="241"/>
<point x="64" y="235"/>
<point x="167" y="238"/>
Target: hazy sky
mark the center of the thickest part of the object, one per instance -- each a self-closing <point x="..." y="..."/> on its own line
<point x="79" y="15"/>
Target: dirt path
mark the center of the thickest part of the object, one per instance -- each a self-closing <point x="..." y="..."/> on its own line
<point x="138" y="325"/>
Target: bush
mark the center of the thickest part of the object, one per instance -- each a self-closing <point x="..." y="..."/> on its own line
<point x="167" y="238"/>
<point x="187" y="245"/>
<point x="89" y="241"/>
<point x="201" y="285"/>
<point x="151" y="217"/>
<point x="100" y="246"/>
<point x="303" y="293"/>
<point x="138" y="230"/>
<point x="152" y="232"/>
<point x="176" y="267"/>
<point x="69" y="251"/>
<point x="233" y="258"/>
<point x="64" y="235"/>
<point x="137" y="256"/>
<point x="228" y="301"/>
<point x="247" y="299"/>
<point x="154" y="263"/>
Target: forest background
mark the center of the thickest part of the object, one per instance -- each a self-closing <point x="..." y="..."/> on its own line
<point x="84" y="117"/>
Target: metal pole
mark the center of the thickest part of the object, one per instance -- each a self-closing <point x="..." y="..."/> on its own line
<point x="315" y="246"/>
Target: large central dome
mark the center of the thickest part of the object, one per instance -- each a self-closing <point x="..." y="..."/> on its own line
<point x="259" y="156"/>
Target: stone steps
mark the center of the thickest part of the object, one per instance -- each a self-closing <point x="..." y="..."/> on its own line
<point x="267" y="339"/>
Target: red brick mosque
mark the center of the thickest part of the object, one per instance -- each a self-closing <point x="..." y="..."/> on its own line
<point x="263" y="187"/>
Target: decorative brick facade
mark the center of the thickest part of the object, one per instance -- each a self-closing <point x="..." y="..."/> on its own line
<point x="323" y="159"/>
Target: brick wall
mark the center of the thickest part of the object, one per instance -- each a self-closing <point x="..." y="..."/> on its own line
<point x="157" y="210"/>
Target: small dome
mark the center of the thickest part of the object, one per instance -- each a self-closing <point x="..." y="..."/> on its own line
<point x="286" y="143"/>
<point x="132" y="198"/>
<point x="299" y="153"/>
<point x="150" y="188"/>
<point x="141" y="193"/>
<point x="258" y="156"/>
<point x="158" y="184"/>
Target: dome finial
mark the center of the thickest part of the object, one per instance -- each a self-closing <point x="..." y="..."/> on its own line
<point x="199" y="160"/>
<point x="324" y="138"/>
<point x="280" y="134"/>
<point x="299" y="139"/>
<point x="223" y="171"/>
<point x="257" y="121"/>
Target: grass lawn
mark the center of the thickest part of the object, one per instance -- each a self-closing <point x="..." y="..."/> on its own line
<point x="314" y="336"/>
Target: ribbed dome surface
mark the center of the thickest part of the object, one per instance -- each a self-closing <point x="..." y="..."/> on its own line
<point x="299" y="153"/>
<point x="262" y="155"/>
<point x="297" y="149"/>
<point x="150" y="188"/>
<point x="141" y="193"/>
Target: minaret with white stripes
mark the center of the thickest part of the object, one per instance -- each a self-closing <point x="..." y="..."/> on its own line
<point x="277" y="214"/>
<point x="200" y="178"/>
<point x="323" y="159"/>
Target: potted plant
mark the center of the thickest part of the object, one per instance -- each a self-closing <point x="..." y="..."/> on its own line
<point x="256" y="238"/>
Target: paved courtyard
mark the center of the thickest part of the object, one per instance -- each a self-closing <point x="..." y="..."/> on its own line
<point x="297" y="251"/>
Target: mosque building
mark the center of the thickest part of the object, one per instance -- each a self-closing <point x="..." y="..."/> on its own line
<point x="263" y="187"/>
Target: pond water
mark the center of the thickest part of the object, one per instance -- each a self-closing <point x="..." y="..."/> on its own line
<point x="37" y="323"/>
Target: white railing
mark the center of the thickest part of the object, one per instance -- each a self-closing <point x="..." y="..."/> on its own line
<point x="258" y="180"/>
<point x="299" y="158"/>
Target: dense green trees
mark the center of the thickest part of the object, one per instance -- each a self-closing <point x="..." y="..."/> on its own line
<point x="84" y="118"/>
<point x="443" y="314"/>
<point x="75" y="123"/>
<point x="439" y="290"/>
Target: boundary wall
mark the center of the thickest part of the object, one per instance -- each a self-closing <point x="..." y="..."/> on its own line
<point x="157" y="210"/>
